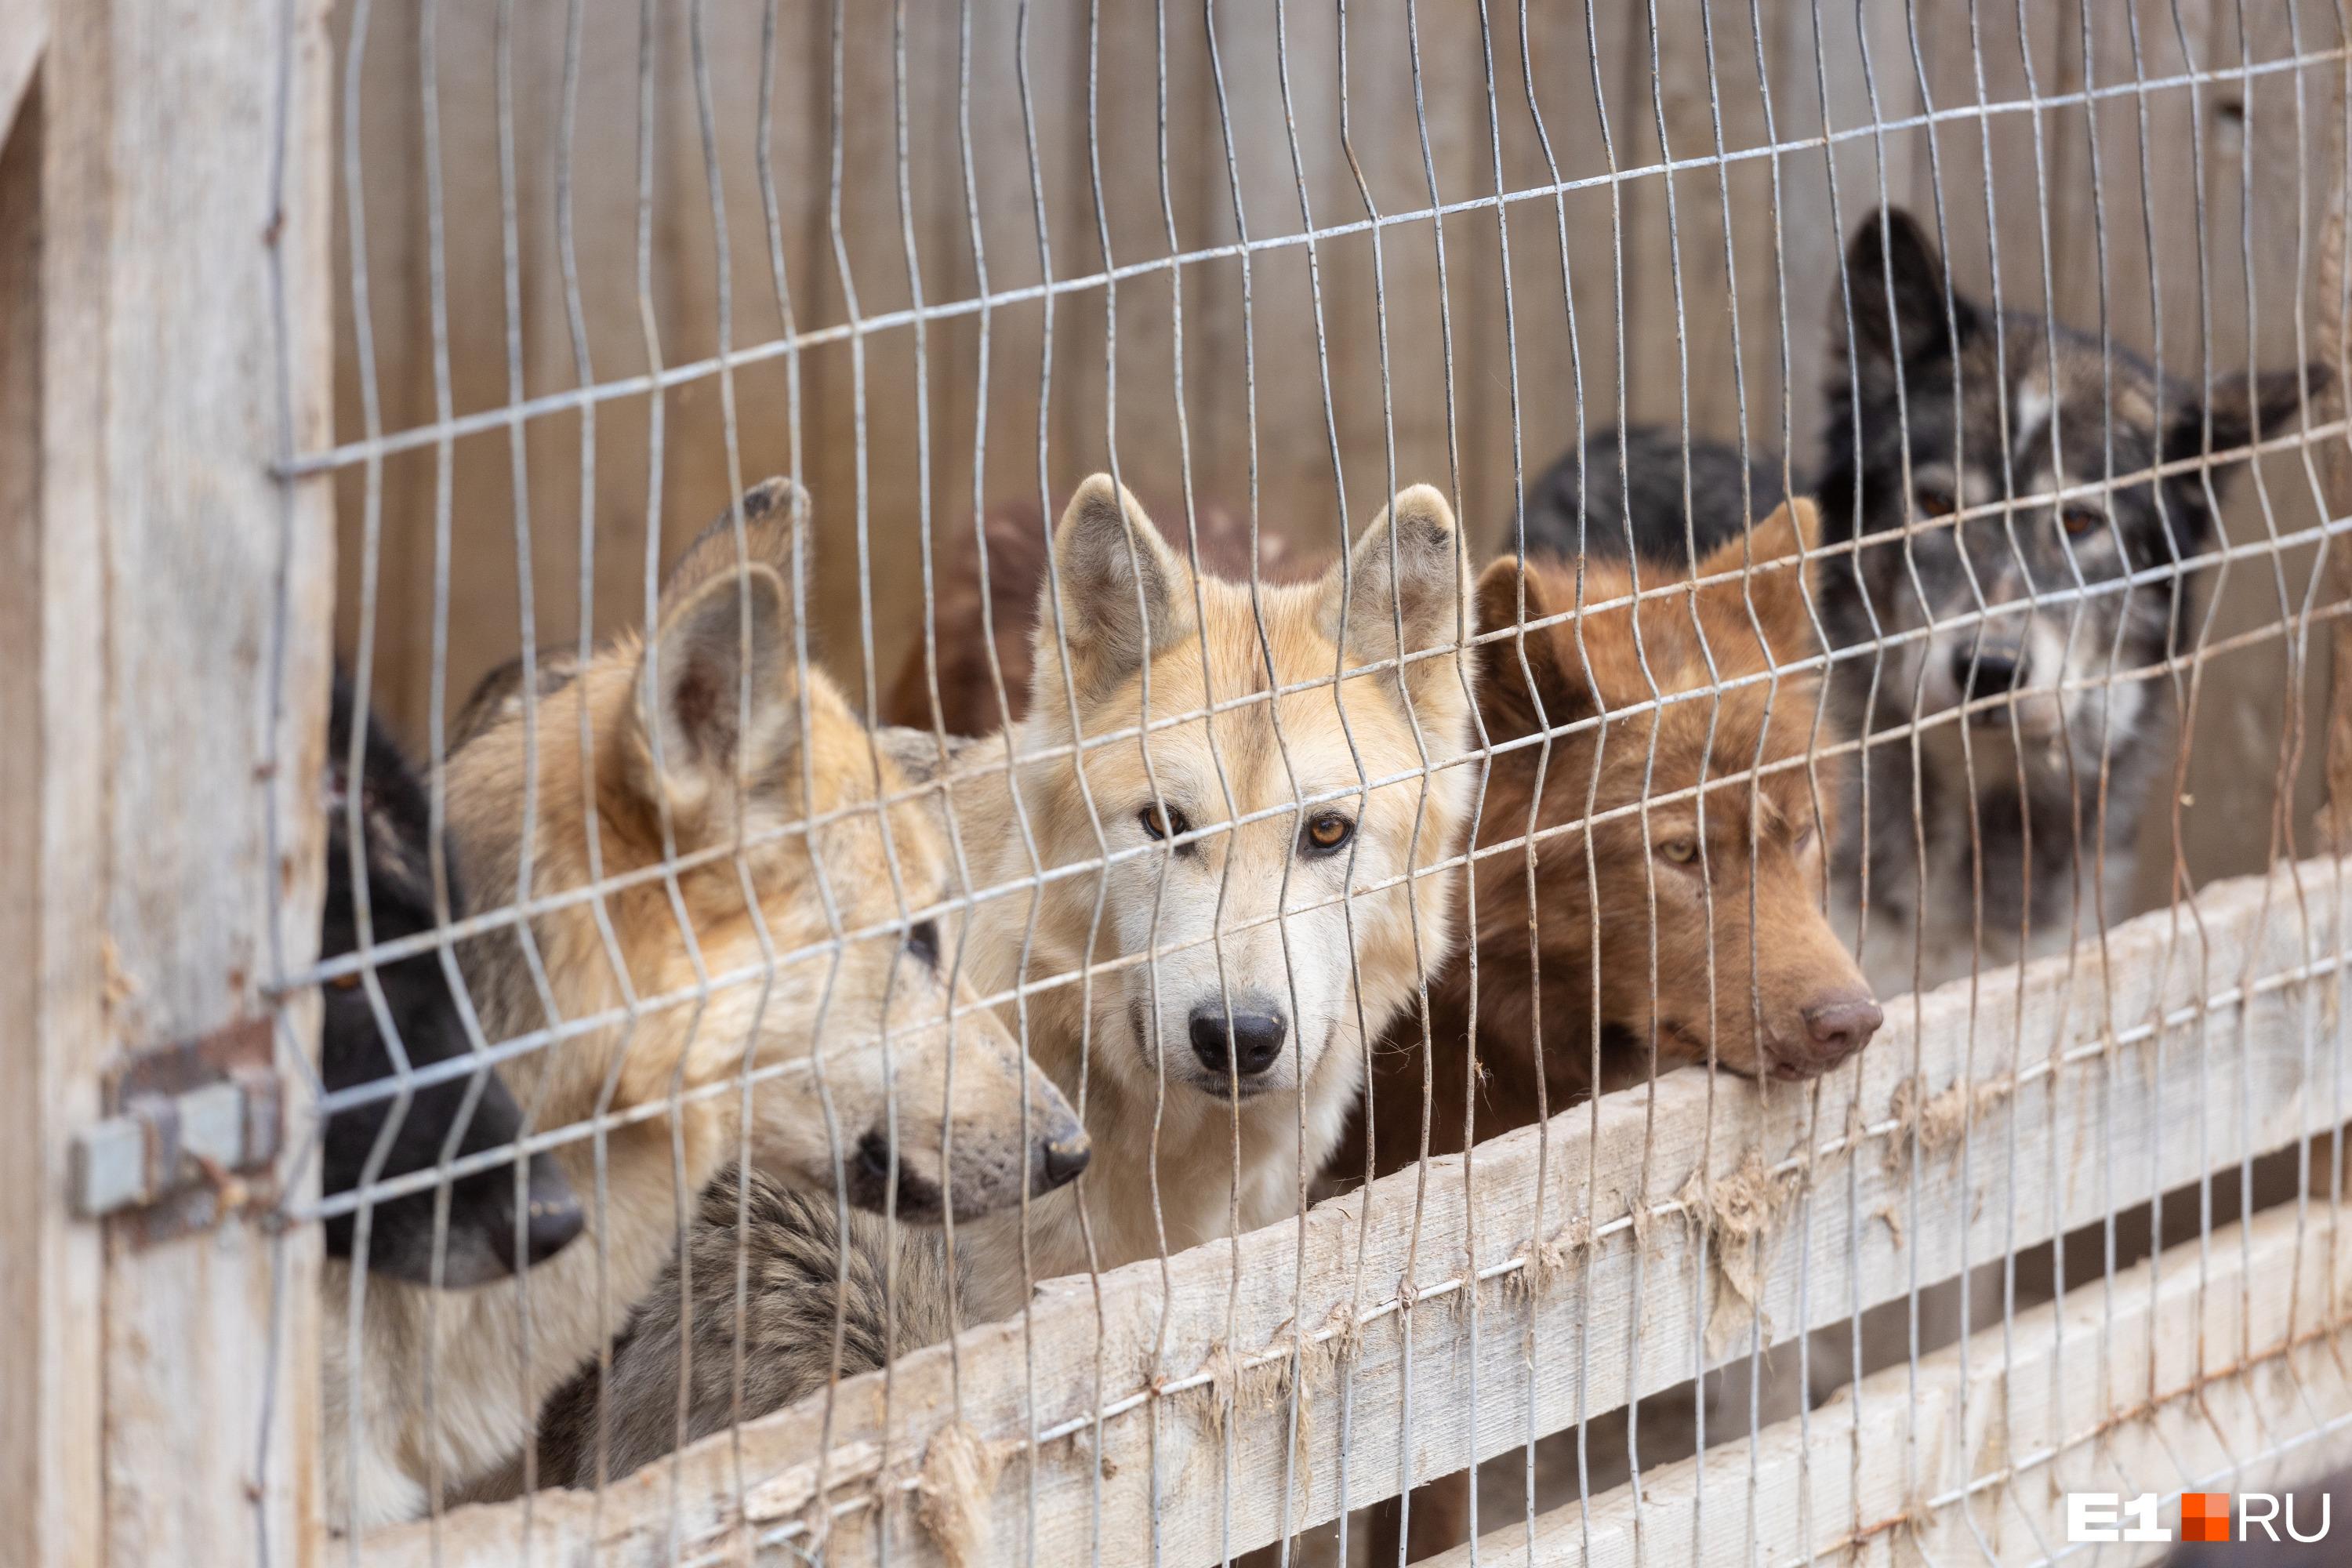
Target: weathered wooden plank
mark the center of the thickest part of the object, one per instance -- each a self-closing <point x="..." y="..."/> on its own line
<point x="2049" y="1129"/>
<point x="50" y="1269"/>
<point x="24" y="33"/>
<point x="2271" y="1408"/>
<point x="182" y="610"/>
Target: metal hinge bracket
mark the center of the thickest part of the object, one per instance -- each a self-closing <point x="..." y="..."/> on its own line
<point x="189" y="1138"/>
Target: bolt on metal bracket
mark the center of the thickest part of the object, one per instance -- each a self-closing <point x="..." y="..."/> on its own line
<point x="191" y="1134"/>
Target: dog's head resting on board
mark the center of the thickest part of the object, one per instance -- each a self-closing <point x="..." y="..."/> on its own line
<point x="1740" y="966"/>
<point x="796" y="874"/>
<point x="1262" y="843"/>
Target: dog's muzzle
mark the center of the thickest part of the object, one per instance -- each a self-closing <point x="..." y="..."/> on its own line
<point x="1990" y="671"/>
<point x="1835" y="1027"/>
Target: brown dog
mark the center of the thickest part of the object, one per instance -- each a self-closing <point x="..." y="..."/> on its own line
<point x="1689" y="983"/>
<point x="1686" y="922"/>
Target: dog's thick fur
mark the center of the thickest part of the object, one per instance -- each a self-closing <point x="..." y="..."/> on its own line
<point x="1214" y="878"/>
<point x="1740" y="967"/>
<point x="1936" y="402"/>
<point x="707" y="747"/>
<point x="1643" y="490"/>
<point x="973" y="609"/>
<point x="1253" y="937"/>
<point x="411" y="1018"/>
<point x="1654" y="940"/>
<point x="892" y="1296"/>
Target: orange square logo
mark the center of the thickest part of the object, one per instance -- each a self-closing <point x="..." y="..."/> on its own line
<point x="2204" y="1516"/>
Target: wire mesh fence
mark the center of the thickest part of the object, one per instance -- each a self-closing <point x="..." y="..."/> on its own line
<point x="1368" y="782"/>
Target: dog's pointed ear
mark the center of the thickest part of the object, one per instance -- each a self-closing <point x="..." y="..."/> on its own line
<point x="1892" y="254"/>
<point x="1525" y="683"/>
<point x="1782" y="593"/>
<point x="2243" y="409"/>
<point x="1405" y="575"/>
<point x="717" y="693"/>
<point x="1125" y="595"/>
<point x="775" y="515"/>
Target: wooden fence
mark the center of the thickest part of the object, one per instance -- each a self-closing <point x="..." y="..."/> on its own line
<point x="164" y="348"/>
<point x="234" y="379"/>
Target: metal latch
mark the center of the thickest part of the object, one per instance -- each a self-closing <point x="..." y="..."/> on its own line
<point x="189" y="1127"/>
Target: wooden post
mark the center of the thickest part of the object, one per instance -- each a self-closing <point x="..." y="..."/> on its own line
<point x="164" y="605"/>
<point x="24" y="33"/>
<point x="50" y="1361"/>
<point x="2335" y="476"/>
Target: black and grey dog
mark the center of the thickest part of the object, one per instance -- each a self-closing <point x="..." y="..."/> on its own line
<point x="1629" y="493"/>
<point x="2003" y="651"/>
<point x="1969" y="454"/>
<point x="488" y="1223"/>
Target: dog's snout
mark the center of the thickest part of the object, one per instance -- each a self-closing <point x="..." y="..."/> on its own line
<point x="1838" y="1026"/>
<point x="553" y="1219"/>
<point x="1988" y="670"/>
<point x="1247" y="1046"/>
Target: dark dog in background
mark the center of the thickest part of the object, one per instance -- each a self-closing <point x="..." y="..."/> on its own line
<point x="1628" y="494"/>
<point x="490" y="1225"/>
<point x="1938" y="406"/>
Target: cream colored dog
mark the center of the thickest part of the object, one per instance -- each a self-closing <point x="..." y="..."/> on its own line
<point x="781" y="935"/>
<point x="1206" y="993"/>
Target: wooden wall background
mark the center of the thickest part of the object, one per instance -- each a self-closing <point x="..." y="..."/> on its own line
<point x="1139" y="152"/>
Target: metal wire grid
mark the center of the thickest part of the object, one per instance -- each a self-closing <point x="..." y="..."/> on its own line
<point x="2295" y="614"/>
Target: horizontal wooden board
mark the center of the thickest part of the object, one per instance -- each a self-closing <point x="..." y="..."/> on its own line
<point x="2219" y="1371"/>
<point x="1615" y="1250"/>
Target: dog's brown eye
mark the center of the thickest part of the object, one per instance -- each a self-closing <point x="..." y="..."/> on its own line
<point x="1681" y="851"/>
<point x="1935" y="500"/>
<point x="923" y="943"/>
<point x="1329" y="832"/>
<point x="2082" y="519"/>
<point x="1163" y="821"/>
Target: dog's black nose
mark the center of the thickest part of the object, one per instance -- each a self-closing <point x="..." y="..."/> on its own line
<point x="554" y="1219"/>
<point x="1256" y="1040"/>
<point x="1989" y="672"/>
<point x="1061" y="1161"/>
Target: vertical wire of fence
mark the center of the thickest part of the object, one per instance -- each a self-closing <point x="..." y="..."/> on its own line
<point x="1653" y="837"/>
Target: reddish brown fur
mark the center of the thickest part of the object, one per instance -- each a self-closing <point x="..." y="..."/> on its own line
<point x="1780" y="867"/>
<point x="1599" y="904"/>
